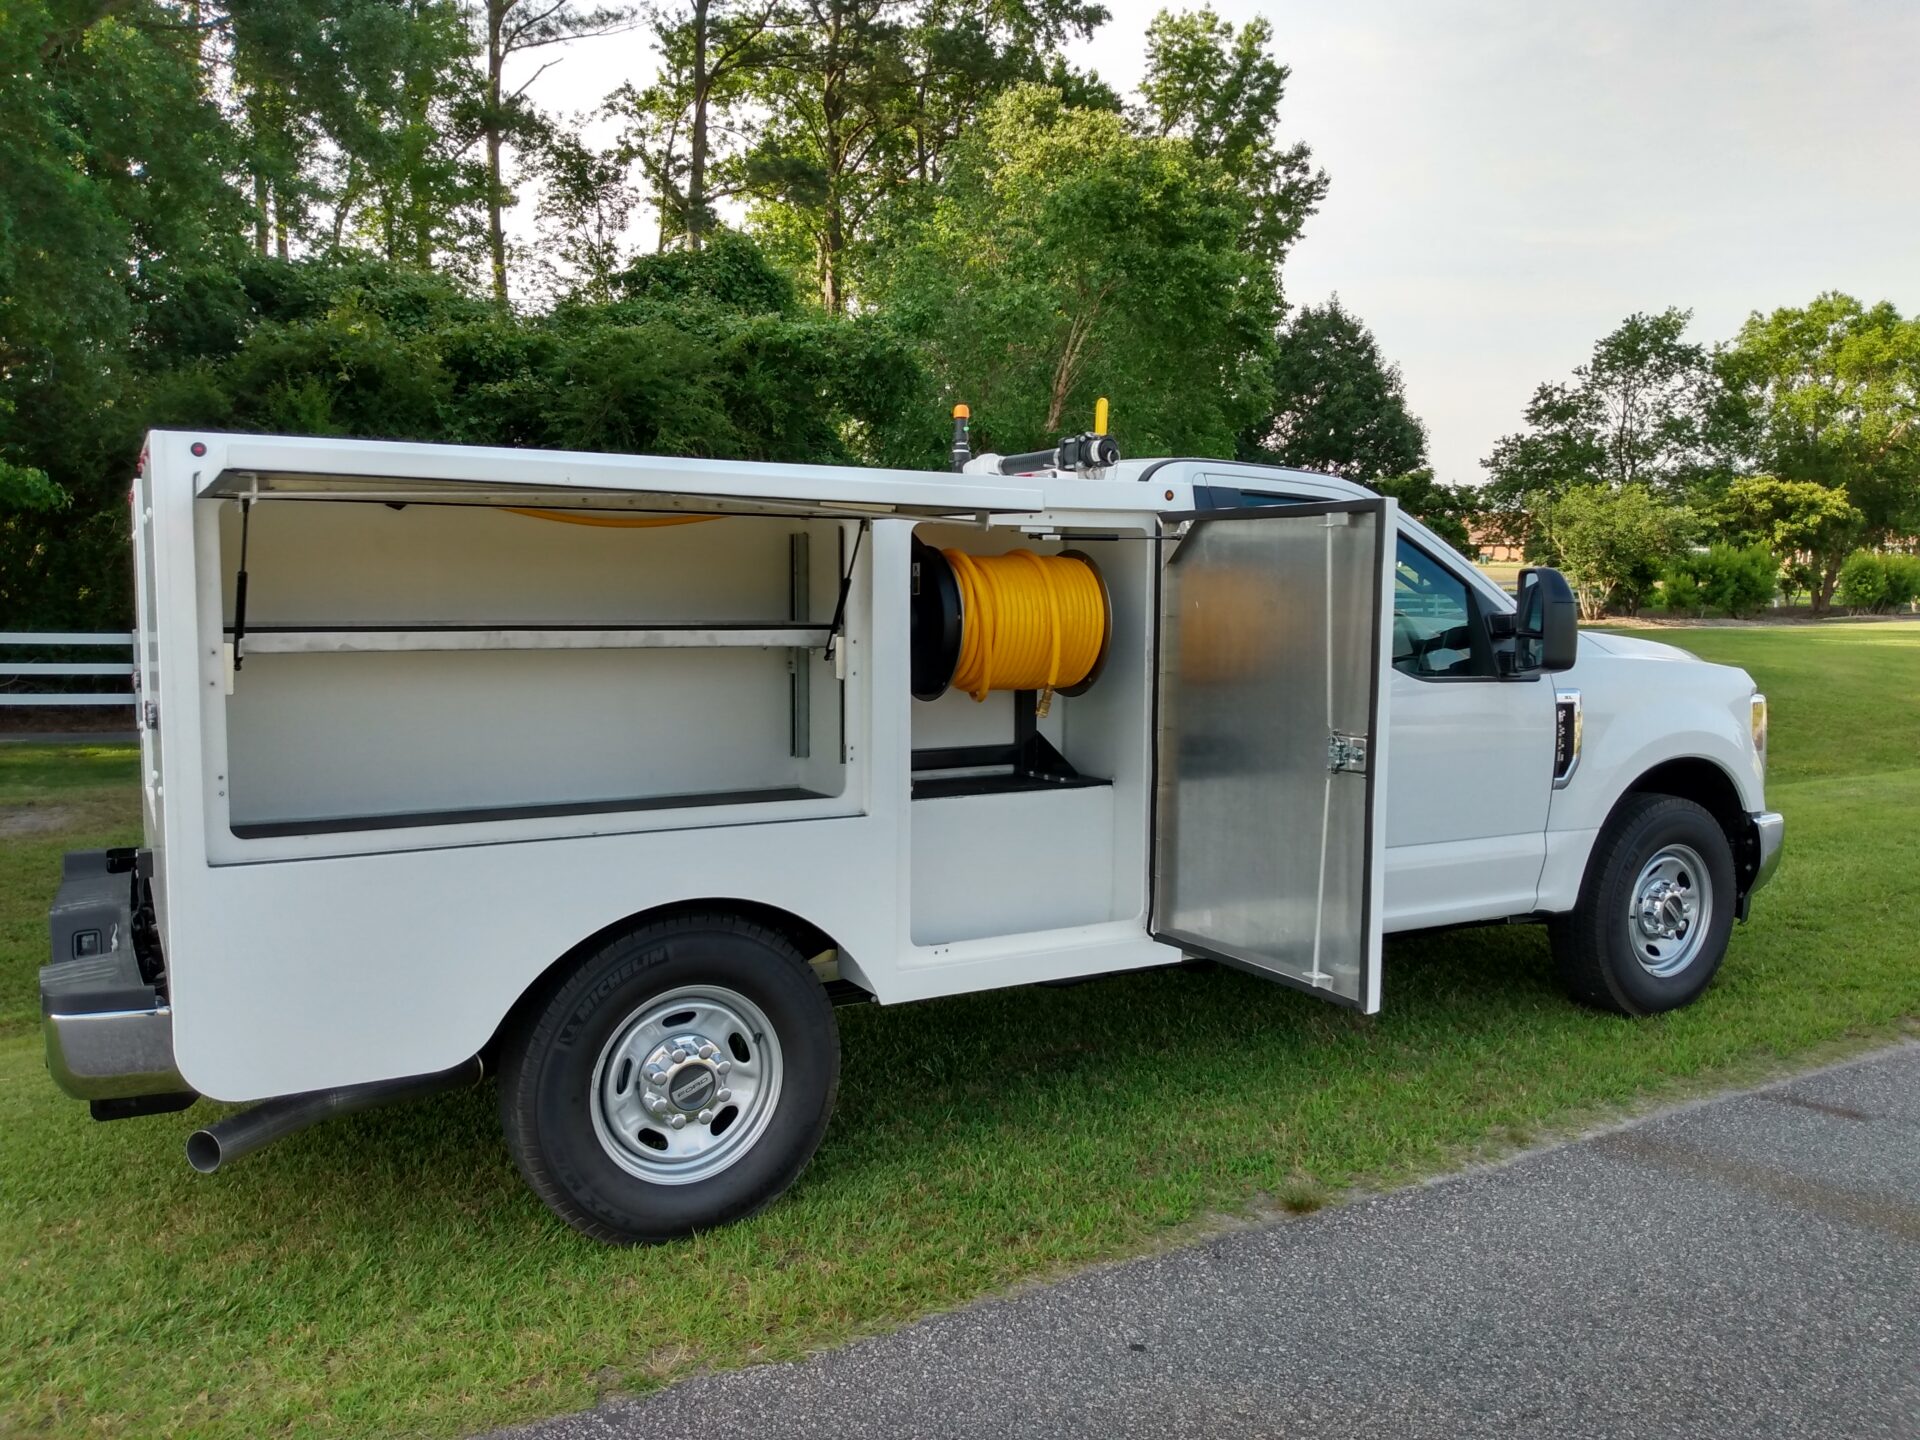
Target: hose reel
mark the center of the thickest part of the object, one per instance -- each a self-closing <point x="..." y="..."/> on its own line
<point x="1019" y="621"/>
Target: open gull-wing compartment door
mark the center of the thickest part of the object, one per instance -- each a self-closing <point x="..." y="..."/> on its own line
<point x="1271" y="740"/>
<point x="269" y="467"/>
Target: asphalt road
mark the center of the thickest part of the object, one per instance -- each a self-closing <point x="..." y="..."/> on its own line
<point x="1748" y="1267"/>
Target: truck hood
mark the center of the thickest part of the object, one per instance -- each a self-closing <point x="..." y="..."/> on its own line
<point x="1629" y="646"/>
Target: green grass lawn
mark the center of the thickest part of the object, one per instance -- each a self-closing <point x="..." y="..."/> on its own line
<point x="388" y="1273"/>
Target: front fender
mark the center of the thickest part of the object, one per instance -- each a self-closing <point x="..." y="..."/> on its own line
<point x="1641" y="713"/>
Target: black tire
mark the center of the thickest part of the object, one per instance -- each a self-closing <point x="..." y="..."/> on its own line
<point x="550" y="1053"/>
<point x="1598" y="962"/>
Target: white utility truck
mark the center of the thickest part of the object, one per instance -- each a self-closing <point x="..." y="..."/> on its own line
<point x="611" y="774"/>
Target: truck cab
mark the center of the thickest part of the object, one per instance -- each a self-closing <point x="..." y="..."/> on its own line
<point x="609" y="776"/>
<point x="1504" y="781"/>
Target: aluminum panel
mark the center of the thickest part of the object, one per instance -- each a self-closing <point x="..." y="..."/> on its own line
<point x="1267" y="738"/>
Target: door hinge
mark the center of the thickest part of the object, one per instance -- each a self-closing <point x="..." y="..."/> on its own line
<point x="1347" y="753"/>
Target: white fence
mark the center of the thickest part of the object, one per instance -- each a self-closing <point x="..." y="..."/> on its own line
<point x="35" y="670"/>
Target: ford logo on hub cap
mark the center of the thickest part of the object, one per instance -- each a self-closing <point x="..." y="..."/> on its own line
<point x="692" y="1087"/>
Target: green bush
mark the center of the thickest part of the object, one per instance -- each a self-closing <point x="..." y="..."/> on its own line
<point x="1863" y="582"/>
<point x="1903" y="579"/>
<point x="1733" y="580"/>
<point x="1875" y="583"/>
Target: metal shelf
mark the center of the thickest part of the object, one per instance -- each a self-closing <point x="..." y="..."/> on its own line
<point x="359" y="639"/>
<point x="476" y="815"/>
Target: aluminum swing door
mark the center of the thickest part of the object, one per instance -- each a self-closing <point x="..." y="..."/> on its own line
<point x="1270" y="739"/>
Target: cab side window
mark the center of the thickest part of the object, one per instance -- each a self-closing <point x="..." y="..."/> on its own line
<point x="1432" y="617"/>
<point x="1438" y="632"/>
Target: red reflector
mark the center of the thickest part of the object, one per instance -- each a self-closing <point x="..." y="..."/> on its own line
<point x="199" y="447"/>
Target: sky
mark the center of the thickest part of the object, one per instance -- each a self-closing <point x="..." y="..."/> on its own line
<point x="1511" y="180"/>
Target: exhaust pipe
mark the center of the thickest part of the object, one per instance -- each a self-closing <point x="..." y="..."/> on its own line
<point x="225" y="1141"/>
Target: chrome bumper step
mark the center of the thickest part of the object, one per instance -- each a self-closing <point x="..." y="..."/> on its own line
<point x="107" y="1027"/>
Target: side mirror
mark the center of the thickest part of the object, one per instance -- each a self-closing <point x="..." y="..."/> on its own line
<point x="1546" y="623"/>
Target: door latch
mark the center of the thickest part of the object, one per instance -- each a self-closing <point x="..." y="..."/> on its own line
<point x="1347" y="753"/>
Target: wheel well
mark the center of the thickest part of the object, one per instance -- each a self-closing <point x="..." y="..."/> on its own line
<point x="1713" y="790"/>
<point x="806" y="937"/>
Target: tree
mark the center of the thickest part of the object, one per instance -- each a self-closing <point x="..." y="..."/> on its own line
<point x="65" y="234"/>
<point x="1613" y="543"/>
<point x="408" y="184"/>
<point x="683" y="128"/>
<point x="1220" y="89"/>
<point x="508" y="28"/>
<point x="1081" y="89"/>
<point x="1795" y="518"/>
<point x="354" y="118"/>
<point x="1639" y="412"/>
<point x="832" y="137"/>
<point x="1064" y="257"/>
<point x="862" y="99"/>
<point x="965" y="52"/>
<point x="117" y="215"/>
<point x="585" y="202"/>
<point x="1830" y="394"/>
<point x="1338" y="407"/>
<point x="1447" y="510"/>
<point x="112" y="179"/>
<point x="268" y="43"/>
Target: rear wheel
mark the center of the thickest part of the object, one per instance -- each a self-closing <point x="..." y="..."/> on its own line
<point x="678" y="1078"/>
<point x="1655" y="910"/>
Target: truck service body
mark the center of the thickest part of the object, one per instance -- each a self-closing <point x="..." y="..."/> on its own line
<point x="430" y="773"/>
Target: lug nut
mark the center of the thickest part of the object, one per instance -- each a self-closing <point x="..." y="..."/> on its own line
<point x="656" y="1105"/>
<point x="707" y="1052"/>
<point x="678" y="1056"/>
<point x="724" y="1066"/>
<point x="706" y="1117"/>
<point x="724" y="1095"/>
<point x="678" y="1121"/>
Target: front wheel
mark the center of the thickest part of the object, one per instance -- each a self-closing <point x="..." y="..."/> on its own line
<point x="1655" y="910"/>
<point x="680" y="1077"/>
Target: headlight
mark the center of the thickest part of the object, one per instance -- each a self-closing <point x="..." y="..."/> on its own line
<point x="1759" y="723"/>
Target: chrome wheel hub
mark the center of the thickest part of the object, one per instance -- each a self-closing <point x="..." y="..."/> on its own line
<point x="686" y="1085"/>
<point x="1670" y="911"/>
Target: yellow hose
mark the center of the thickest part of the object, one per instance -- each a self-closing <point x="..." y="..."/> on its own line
<point x="1028" y="622"/>
<point x="611" y="522"/>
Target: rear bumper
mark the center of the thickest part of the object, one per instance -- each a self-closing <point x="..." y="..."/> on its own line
<point x="113" y="1054"/>
<point x="107" y="1027"/>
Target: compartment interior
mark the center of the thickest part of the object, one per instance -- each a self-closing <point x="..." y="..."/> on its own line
<point x="998" y="851"/>
<point x="444" y="664"/>
<point x="427" y="665"/>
